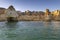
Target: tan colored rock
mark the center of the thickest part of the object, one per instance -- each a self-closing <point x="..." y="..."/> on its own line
<point x="2" y="10"/>
<point x="56" y="13"/>
<point x="11" y="12"/>
<point x="27" y="12"/>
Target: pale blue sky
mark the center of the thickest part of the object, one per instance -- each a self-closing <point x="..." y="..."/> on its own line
<point x="37" y="5"/>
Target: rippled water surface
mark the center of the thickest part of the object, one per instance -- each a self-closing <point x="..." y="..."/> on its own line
<point x="30" y="30"/>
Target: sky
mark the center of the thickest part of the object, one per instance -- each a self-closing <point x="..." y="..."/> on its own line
<point x="32" y="5"/>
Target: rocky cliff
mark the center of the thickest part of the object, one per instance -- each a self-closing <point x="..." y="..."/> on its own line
<point x="10" y="12"/>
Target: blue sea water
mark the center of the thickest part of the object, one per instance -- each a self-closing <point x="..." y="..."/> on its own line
<point x="30" y="30"/>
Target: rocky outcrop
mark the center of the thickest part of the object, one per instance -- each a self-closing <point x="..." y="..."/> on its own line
<point x="27" y="12"/>
<point x="56" y="15"/>
<point x="11" y="14"/>
<point x="47" y="15"/>
<point x="2" y="14"/>
<point x="2" y="10"/>
<point x="11" y="8"/>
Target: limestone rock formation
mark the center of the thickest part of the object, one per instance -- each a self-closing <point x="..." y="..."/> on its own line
<point x="2" y="10"/>
<point x="47" y="15"/>
<point x="11" y="13"/>
<point x="27" y="12"/>
<point x="47" y="12"/>
<point x="11" y="7"/>
<point x="56" y="14"/>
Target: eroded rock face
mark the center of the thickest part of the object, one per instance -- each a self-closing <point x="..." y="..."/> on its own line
<point x="2" y="14"/>
<point x="11" y="12"/>
<point x="11" y="7"/>
<point x="56" y="14"/>
<point x="2" y="10"/>
<point x="27" y="12"/>
<point x="47" y="15"/>
<point x="47" y="12"/>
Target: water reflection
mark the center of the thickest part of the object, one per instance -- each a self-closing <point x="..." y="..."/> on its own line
<point x="10" y="31"/>
<point x="30" y="30"/>
<point x="51" y="30"/>
<point x="11" y="24"/>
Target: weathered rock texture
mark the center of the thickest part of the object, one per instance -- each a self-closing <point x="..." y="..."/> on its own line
<point x="11" y="13"/>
